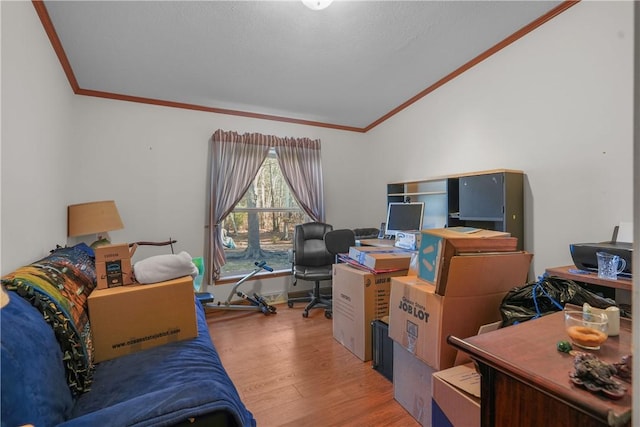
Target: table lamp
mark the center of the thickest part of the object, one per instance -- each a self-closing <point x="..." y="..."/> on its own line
<point x="93" y="218"/>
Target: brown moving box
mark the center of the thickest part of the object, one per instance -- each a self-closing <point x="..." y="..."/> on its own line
<point x="359" y="297"/>
<point x="420" y="320"/>
<point x="457" y="392"/>
<point x="439" y="245"/>
<point x="416" y="385"/>
<point x="381" y="257"/>
<point x="412" y="384"/>
<point x="113" y="265"/>
<point x="388" y="261"/>
<point x="128" y="319"/>
<point x="358" y="253"/>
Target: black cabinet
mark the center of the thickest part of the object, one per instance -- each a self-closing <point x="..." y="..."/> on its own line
<point x="482" y="197"/>
<point x="493" y="201"/>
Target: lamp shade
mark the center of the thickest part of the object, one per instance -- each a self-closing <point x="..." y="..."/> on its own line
<point x="93" y="218"/>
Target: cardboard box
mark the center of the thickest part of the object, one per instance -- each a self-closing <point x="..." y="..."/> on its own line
<point x="456" y="391"/>
<point x="113" y="265"/>
<point x="439" y="245"/>
<point x="388" y="261"/>
<point x="359" y="298"/>
<point x="113" y="273"/>
<point x="128" y="319"/>
<point x="412" y="384"/>
<point x="358" y="253"/>
<point x="420" y="320"/>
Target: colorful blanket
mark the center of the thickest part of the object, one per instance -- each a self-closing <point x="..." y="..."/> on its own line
<point x="58" y="286"/>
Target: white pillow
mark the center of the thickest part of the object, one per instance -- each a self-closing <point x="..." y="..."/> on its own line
<point x="164" y="267"/>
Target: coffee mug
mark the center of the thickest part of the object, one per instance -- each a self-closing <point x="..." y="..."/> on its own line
<point x="613" y="316"/>
<point x="609" y="265"/>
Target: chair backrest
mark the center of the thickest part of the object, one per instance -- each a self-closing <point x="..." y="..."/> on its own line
<point x="308" y="245"/>
<point x="339" y="241"/>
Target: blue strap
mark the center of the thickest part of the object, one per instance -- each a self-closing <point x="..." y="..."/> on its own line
<point x="535" y="300"/>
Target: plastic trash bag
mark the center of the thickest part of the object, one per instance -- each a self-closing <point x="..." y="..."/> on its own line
<point x="549" y="294"/>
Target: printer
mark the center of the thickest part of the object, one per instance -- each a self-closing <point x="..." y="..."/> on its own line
<point x="585" y="258"/>
<point x="584" y="255"/>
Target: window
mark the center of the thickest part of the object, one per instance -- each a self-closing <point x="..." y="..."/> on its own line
<point x="261" y="225"/>
<point x="235" y="162"/>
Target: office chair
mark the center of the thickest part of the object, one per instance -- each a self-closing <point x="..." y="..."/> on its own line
<point x="339" y="241"/>
<point x="312" y="262"/>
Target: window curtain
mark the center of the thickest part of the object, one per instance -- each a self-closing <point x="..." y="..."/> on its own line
<point x="299" y="160"/>
<point x="235" y="161"/>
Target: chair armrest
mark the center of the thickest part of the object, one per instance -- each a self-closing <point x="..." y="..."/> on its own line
<point x="291" y="254"/>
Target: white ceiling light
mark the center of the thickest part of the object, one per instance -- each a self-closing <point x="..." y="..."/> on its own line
<point x="317" y="4"/>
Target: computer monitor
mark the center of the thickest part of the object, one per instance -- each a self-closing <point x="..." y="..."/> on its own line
<point x="404" y="217"/>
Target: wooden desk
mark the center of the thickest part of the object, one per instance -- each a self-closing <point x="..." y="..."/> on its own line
<point x="592" y="278"/>
<point x="525" y="380"/>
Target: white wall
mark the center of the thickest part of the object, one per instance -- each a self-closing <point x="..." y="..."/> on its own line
<point x="60" y="149"/>
<point x="153" y="161"/>
<point x="556" y="104"/>
<point x="37" y="160"/>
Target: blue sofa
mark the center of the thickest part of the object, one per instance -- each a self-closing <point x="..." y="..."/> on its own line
<point x="48" y="379"/>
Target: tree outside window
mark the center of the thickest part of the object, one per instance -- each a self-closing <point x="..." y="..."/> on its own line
<point x="260" y="227"/>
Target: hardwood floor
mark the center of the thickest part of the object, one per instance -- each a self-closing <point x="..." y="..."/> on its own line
<point x="290" y="371"/>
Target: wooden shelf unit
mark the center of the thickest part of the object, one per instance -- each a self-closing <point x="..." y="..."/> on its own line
<point x="491" y="199"/>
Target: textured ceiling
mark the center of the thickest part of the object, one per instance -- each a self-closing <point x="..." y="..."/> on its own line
<point x="347" y="66"/>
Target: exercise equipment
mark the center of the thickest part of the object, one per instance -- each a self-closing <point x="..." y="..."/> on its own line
<point x="256" y="302"/>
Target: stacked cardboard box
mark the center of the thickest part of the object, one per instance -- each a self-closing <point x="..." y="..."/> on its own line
<point x="381" y="258"/>
<point x="359" y="297"/>
<point x="462" y="281"/>
<point x="439" y="245"/>
<point x="456" y="393"/>
<point x="412" y="384"/>
<point x="420" y="319"/>
<point x="113" y="265"/>
<point x="127" y="319"/>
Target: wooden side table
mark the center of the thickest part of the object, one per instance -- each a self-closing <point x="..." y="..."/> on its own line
<point x="525" y="380"/>
<point x="591" y="278"/>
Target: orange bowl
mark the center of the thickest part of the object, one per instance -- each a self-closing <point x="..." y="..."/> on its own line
<point x="586" y="330"/>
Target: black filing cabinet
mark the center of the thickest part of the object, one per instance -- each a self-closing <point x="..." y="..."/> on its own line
<point x="382" y="349"/>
